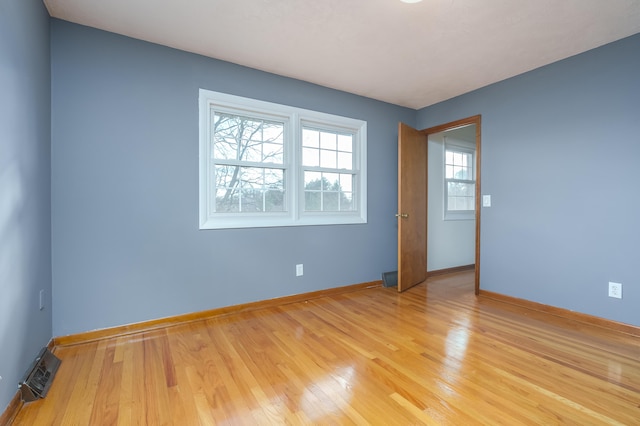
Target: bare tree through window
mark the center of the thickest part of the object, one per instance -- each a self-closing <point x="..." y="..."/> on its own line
<point x="248" y="154"/>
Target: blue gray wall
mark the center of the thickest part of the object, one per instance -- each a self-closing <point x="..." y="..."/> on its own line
<point x="126" y="244"/>
<point x="560" y="158"/>
<point x="25" y="194"/>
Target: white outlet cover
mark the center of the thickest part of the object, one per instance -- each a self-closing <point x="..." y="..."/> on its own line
<point x="299" y="270"/>
<point x="615" y="290"/>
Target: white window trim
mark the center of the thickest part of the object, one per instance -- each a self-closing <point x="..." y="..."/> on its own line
<point x="461" y="147"/>
<point x="294" y="119"/>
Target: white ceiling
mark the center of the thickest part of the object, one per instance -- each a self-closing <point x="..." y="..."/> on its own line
<point x="412" y="55"/>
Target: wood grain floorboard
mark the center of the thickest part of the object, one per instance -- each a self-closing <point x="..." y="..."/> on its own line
<point x="433" y="355"/>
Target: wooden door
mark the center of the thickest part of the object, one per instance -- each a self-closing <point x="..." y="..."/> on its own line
<point x="412" y="207"/>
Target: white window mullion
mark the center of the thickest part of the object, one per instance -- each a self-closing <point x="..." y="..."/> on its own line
<point x="294" y="171"/>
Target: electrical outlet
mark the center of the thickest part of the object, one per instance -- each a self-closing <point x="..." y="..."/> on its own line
<point x="615" y="290"/>
<point x="299" y="270"/>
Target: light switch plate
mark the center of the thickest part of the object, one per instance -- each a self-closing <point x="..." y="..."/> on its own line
<point x="486" y="201"/>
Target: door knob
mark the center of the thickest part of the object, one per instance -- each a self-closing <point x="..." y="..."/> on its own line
<point x="402" y="215"/>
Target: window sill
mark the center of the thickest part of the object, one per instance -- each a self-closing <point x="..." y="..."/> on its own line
<point x="280" y="221"/>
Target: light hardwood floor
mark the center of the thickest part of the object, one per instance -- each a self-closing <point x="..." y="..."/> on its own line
<point x="435" y="354"/>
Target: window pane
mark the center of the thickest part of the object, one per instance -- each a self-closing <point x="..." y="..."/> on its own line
<point x="312" y="201"/>
<point x="346" y="201"/>
<point x="227" y="201"/>
<point x="272" y="153"/>
<point x="331" y="181"/>
<point x="452" y="189"/>
<point x="462" y="203"/>
<point x="328" y="141"/>
<point x="460" y="189"/>
<point x="336" y="150"/>
<point x="227" y="136"/>
<point x="345" y="160"/>
<point x="273" y="132"/>
<point x="256" y="200"/>
<point x="310" y="157"/>
<point x="247" y="139"/>
<point x="251" y="177"/>
<point x="249" y="151"/>
<point x="311" y="138"/>
<point x="243" y="189"/>
<point x="461" y="196"/>
<point x="274" y="201"/>
<point x="458" y="165"/>
<point x="328" y="159"/>
<point x="345" y="143"/>
<point x="251" y="200"/>
<point x="470" y="203"/>
<point x="467" y="160"/>
<point x="457" y="172"/>
<point x="451" y="203"/>
<point x="226" y="176"/>
<point x="330" y="201"/>
<point x="312" y="180"/>
<point x="470" y="190"/>
<point x="449" y="172"/>
<point x="273" y="178"/>
<point x="329" y="191"/>
<point x="346" y="182"/>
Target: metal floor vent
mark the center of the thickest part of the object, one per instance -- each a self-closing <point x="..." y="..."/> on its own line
<point x="38" y="378"/>
<point x="390" y="279"/>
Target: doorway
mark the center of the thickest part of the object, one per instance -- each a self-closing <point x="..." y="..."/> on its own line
<point x="408" y="262"/>
<point x="457" y="127"/>
<point x="451" y="200"/>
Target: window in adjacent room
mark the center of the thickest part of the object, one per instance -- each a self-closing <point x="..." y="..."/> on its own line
<point x="264" y="164"/>
<point x="460" y="183"/>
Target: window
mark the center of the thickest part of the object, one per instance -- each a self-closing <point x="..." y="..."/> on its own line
<point x="327" y="164"/>
<point x="264" y="164"/>
<point x="460" y="184"/>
